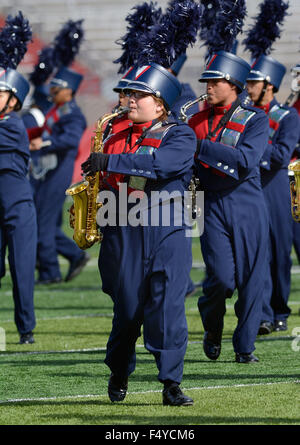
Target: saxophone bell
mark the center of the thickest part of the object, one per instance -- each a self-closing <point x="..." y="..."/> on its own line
<point x="84" y="193"/>
<point x="294" y="169"/>
<point x="183" y="116"/>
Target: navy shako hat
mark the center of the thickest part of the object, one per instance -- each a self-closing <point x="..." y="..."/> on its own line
<point x="11" y="80"/>
<point x="66" y="78"/>
<point x="268" y="69"/>
<point x="228" y="66"/>
<point x="157" y="80"/>
<point x="123" y="82"/>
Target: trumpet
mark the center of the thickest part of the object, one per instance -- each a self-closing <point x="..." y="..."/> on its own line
<point x="183" y="116"/>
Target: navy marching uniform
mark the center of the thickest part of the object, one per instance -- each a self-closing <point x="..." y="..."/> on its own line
<point x="284" y="130"/>
<point x="35" y="117"/>
<point x="145" y="266"/>
<point x="234" y="241"/>
<point x="61" y="135"/>
<point x="145" y="269"/>
<point x="17" y="211"/>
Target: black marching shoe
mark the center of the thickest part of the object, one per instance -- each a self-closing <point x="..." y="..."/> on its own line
<point x="212" y="344"/>
<point x="280" y="325"/>
<point x="117" y="388"/>
<point x="265" y="328"/>
<point x="26" y="339"/>
<point x="77" y="266"/>
<point x="173" y="396"/>
<point x="245" y="358"/>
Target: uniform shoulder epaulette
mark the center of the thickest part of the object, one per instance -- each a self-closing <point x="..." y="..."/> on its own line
<point x="284" y="106"/>
<point x="171" y="122"/>
<point x="248" y="106"/>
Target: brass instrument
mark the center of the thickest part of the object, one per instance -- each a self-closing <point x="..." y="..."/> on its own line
<point x="295" y="189"/>
<point x="84" y="209"/>
<point x="183" y="116"/>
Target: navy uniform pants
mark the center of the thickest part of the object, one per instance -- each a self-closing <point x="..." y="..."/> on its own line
<point x="19" y="233"/>
<point x="49" y="199"/>
<point x="2" y="254"/>
<point x="234" y="245"/>
<point x="145" y="270"/>
<point x="277" y="195"/>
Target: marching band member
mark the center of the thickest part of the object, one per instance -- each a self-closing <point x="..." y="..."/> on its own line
<point x="54" y="147"/>
<point x="59" y="137"/>
<point x="231" y="140"/>
<point x="145" y="268"/>
<point x="235" y="223"/>
<point x="263" y="81"/>
<point x="17" y="216"/>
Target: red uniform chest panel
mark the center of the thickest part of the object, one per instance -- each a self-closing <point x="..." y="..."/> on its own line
<point x="199" y="123"/>
<point x="120" y="124"/>
<point x="118" y="144"/>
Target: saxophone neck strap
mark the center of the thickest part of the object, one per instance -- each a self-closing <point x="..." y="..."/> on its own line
<point x="212" y="133"/>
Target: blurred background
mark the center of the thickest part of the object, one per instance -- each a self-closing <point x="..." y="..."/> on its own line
<point x="104" y="23"/>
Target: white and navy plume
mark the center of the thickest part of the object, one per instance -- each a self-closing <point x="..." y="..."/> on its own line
<point x="43" y="69"/>
<point x="266" y="28"/>
<point x="62" y="51"/>
<point x="139" y="23"/>
<point x="67" y="43"/>
<point x="168" y="39"/>
<point x="14" y="38"/>
<point x="225" y="21"/>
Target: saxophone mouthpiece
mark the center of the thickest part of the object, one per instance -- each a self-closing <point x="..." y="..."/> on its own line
<point x="123" y="110"/>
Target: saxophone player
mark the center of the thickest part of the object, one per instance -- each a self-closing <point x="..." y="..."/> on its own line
<point x="145" y="269"/>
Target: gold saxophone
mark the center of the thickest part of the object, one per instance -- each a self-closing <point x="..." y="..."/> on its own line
<point x="84" y="193"/>
<point x="295" y="189"/>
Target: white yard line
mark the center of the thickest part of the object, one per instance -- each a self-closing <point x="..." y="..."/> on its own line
<point x="195" y="388"/>
<point x="101" y="349"/>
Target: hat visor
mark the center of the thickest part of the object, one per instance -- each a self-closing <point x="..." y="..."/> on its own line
<point x="121" y="85"/>
<point x="256" y="75"/>
<point x="58" y="83"/>
<point x="138" y="86"/>
<point x="210" y="75"/>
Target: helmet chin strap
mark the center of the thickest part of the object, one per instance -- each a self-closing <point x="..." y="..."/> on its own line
<point x="4" y="109"/>
<point x="261" y="96"/>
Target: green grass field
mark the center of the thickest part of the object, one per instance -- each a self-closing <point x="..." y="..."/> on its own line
<point x="62" y="380"/>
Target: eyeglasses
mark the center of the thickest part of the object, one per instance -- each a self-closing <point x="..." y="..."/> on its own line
<point x="137" y="94"/>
